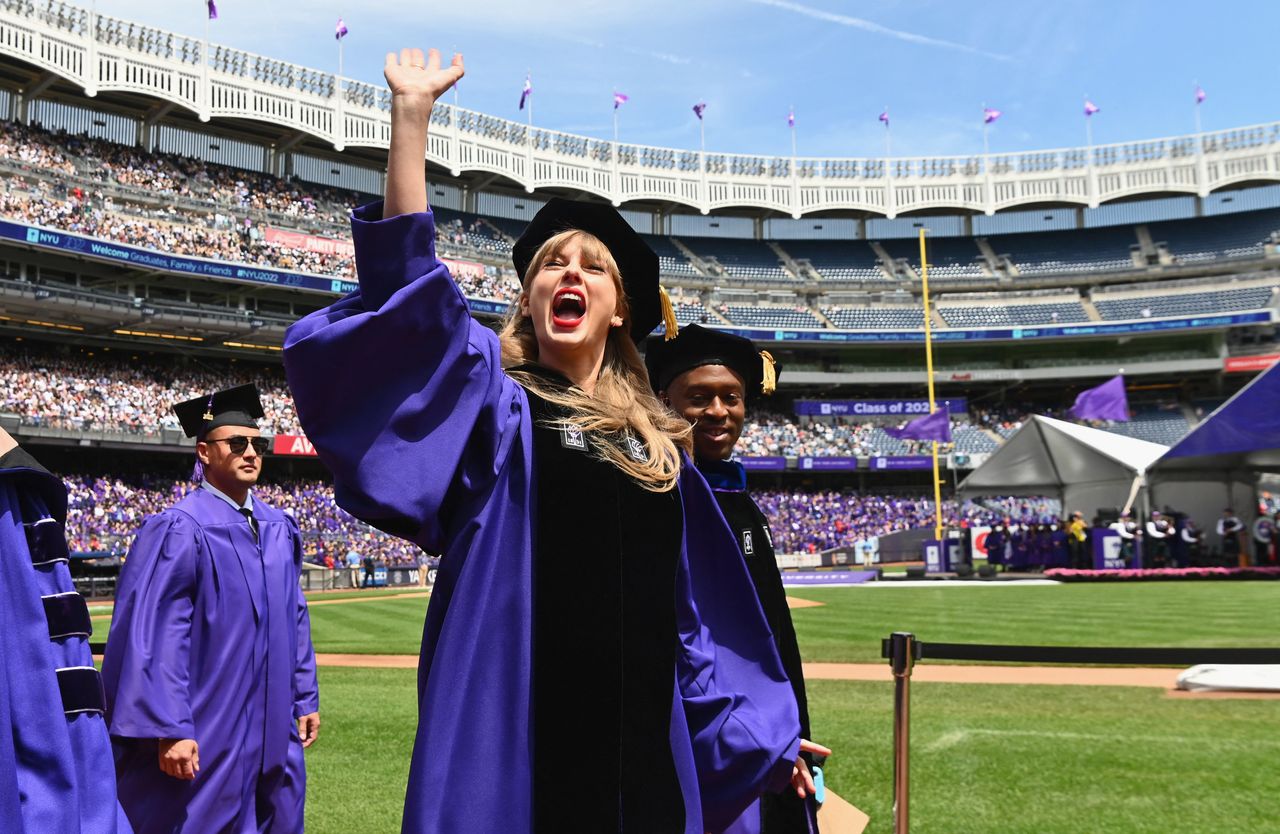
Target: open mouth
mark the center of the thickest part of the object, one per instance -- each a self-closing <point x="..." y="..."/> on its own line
<point x="568" y="307"/>
<point x="716" y="434"/>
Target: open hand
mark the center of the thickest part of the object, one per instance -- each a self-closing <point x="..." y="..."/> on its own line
<point x="413" y="78"/>
<point x="801" y="779"/>
<point x="180" y="757"/>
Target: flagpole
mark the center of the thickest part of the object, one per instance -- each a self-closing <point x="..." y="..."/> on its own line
<point x="793" y="138"/>
<point x="986" y="147"/>
<point x="928" y="358"/>
<point x="205" y="93"/>
<point x="1088" y="129"/>
<point x="888" y="141"/>
<point x="1198" y="128"/>
<point x="528" y="76"/>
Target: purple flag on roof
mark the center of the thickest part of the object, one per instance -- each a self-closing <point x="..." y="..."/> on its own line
<point x="527" y="91"/>
<point x="698" y="108"/>
<point x="620" y="99"/>
<point x="990" y="114"/>
<point x="1104" y="402"/>
<point x="340" y="31"/>
<point x="213" y="9"/>
<point x="1200" y="94"/>
<point x="791" y="117"/>
<point x="935" y="426"/>
<point x="1090" y="108"/>
<point x="884" y="117"/>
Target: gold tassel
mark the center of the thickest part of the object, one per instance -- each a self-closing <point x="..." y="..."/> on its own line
<point x="769" y="383"/>
<point x="669" y="323"/>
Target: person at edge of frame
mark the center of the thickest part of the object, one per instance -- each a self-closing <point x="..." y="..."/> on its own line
<point x="56" y="772"/>
<point x="209" y="670"/>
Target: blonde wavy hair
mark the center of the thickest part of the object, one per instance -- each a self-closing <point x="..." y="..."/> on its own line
<point x="623" y="401"/>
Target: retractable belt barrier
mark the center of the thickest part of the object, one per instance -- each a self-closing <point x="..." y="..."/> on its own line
<point x="903" y="651"/>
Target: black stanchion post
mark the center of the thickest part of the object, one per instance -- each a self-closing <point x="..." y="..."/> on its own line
<point x="902" y="658"/>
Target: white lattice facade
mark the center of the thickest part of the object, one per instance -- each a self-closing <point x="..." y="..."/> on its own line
<point x="117" y="55"/>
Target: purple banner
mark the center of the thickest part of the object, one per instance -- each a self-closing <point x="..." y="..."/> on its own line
<point x="902" y="462"/>
<point x="769" y="464"/>
<point x="876" y="408"/>
<point x="834" y="577"/>
<point x="830" y="464"/>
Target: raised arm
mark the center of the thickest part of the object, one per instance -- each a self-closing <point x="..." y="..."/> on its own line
<point x="400" y="390"/>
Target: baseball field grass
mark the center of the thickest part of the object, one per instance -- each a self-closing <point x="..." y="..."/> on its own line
<point x="849" y="625"/>
<point x="1033" y="759"/>
<point x="1036" y="758"/>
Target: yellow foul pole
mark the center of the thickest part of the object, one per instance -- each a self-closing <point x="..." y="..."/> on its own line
<point x="928" y="358"/>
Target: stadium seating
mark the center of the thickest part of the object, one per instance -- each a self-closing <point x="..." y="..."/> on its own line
<point x="671" y="261"/>
<point x="1080" y="250"/>
<point x="995" y="314"/>
<point x="950" y="258"/>
<point x="1158" y="426"/>
<point x="472" y="230"/>
<point x="763" y="316"/>
<point x="875" y="318"/>
<point x="838" y="260"/>
<point x="1183" y="304"/>
<point x="745" y="259"/>
<point x="1222" y="237"/>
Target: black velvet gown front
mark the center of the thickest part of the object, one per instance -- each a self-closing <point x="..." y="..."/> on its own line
<point x="606" y="555"/>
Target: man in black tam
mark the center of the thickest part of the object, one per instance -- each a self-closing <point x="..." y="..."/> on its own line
<point x="209" y="670"/>
<point x="708" y="376"/>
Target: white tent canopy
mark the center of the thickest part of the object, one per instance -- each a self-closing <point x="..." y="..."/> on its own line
<point x="1086" y="468"/>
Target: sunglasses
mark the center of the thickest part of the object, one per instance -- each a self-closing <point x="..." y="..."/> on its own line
<point x="239" y="444"/>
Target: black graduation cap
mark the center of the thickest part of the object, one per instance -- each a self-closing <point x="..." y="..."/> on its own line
<point x="239" y="406"/>
<point x="636" y="261"/>
<point x="697" y="346"/>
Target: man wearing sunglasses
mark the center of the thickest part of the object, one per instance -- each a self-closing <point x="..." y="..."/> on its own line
<point x="209" y="669"/>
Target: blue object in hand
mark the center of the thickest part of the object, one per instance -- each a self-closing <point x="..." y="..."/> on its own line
<point x="819" y="787"/>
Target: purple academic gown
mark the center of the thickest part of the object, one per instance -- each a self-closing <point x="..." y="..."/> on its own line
<point x="210" y="640"/>
<point x="55" y="756"/>
<point x="404" y="397"/>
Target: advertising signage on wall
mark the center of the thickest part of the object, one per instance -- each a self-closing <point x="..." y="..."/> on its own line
<point x="876" y="408"/>
<point x="764" y="464"/>
<point x="1249" y="364"/>
<point x="292" y="444"/>
<point x="902" y="463"/>
<point x="150" y="259"/>
<point x="828" y="464"/>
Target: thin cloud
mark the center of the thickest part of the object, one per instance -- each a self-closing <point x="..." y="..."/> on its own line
<point x="877" y="29"/>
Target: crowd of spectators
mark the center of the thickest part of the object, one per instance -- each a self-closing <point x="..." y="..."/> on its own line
<point x="119" y="392"/>
<point x="807" y="521"/>
<point x="105" y="512"/>
<point x="66" y="183"/>
<point x="768" y="434"/>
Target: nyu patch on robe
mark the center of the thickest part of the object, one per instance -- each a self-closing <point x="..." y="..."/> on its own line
<point x="748" y="547"/>
<point x="571" y="437"/>
<point x="636" y="449"/>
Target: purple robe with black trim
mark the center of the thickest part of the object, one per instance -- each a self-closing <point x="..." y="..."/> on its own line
<point x="404" y="396"/>
<point x="210" y="640"/>
<point x="56" y="772"/>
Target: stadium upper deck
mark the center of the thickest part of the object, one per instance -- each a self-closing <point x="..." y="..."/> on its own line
<point x="146" y="91"/>
<point x="150" y="72"/>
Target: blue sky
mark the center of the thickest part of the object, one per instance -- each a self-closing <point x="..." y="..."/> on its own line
<point x="933" y="62"/>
